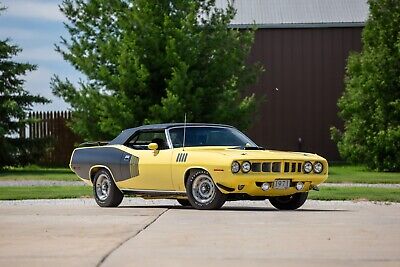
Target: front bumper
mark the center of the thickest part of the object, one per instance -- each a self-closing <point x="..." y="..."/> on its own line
<point x="251" y="184"/>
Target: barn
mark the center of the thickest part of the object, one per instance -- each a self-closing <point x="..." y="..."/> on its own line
<point x="303" y="45"/>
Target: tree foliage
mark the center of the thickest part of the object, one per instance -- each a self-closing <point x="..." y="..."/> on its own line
<point x="151" y="62"/>
<point x="370" y="105"/>
<point x="15" y="101"/>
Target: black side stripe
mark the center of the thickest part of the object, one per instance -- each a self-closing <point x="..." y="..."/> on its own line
<point x="181" y="157"/>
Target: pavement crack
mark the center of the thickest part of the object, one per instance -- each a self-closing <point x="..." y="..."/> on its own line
<point x="129" y="238"/>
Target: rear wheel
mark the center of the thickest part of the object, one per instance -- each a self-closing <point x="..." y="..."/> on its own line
<point x="291" y="202"/>
<point x="203" y="193"/>
<point x="184" y="202"/>
<point x="106" y="193"/>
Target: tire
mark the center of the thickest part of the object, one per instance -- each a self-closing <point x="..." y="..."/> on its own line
<point x="291" y="202"/>
<point x="184" y="202"/>
<point x="202" y="192"/>
<point x="106" y="193"/>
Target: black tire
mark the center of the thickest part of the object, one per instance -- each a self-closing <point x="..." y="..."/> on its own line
<point x="106" y="193"/>
<point x="184" y="202"/>
<point x="207" y="199"/>
<point x="291" y="202"/>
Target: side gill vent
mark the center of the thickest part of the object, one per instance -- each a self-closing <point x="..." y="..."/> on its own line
<point x="181" y="157"/>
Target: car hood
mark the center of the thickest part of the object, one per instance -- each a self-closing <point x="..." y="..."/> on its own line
<point x="241" y="154"/>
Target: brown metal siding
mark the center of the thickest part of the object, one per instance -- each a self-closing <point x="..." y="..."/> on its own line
<point x="302" y="83"/>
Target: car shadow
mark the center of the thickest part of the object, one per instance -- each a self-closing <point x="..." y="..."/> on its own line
<point x="230" y="208"/>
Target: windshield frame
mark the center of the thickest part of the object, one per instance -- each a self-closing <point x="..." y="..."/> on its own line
<point x="251" y="142"/>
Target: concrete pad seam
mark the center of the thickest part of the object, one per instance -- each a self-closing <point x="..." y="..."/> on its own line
<point x="103" y="259"/>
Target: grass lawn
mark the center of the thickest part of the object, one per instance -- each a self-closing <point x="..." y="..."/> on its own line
<point x="44" y="192"/>
<point x="326" y="193"/>
<point x="337" y="174"/>
<point x="359" y="174"/>
<point x="356" y="193"/>
<point x="37" y="173"/>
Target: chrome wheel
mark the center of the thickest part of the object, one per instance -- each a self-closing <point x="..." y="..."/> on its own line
<point x="103" y="186"/>
<point x="202" y="193"/>
<point x="203" y="189"/>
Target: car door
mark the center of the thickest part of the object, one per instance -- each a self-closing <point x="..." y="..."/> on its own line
<point x="153" y="166"/>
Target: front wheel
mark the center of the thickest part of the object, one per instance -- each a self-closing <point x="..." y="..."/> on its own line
<point x="202" y="193"/>
<point x="291" y="202"/>
<point x="106" y="193"/>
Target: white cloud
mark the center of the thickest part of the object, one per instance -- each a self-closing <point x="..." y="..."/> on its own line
<point x="37" y="9"/>
<point x="38" y="83"/>
<point x="44" y="53"/>
<point x="24" y="34"/>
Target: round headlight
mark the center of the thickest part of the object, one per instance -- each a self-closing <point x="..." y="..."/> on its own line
<point x="235" y="167"/>
<point x="308" y="167"/>
<point x="318" y="167"/>
<point x="246" y="166"/>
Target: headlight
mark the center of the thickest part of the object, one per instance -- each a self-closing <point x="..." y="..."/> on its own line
<point x="318" y="167"/>
<point x="246" y="166"/>
<point x="308" y="167"/>
<point x="235" y="167"/>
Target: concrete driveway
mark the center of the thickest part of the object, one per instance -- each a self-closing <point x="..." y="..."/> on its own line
<point x="160" y="233"/>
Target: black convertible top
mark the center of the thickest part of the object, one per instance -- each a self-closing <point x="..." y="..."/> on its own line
<point x="125" y="134"/>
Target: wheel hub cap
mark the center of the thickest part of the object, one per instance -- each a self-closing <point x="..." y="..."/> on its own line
<point x="103" y="187"/>
<point x="203" y="189"/>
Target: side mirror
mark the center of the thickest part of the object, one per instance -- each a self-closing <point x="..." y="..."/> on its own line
<point x="153" y="146"/>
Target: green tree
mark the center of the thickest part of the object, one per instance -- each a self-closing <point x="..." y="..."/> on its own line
<point x="15" y="101"/>
<point x="370" y="105"/>
<point x="153" y="61"/>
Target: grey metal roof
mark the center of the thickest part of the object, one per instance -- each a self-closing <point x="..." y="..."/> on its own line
<point x="298" y="13"/>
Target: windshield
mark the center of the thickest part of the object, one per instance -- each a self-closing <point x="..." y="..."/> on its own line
<point x="209" y="136"/>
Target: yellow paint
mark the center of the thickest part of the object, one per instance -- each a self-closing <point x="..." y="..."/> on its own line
<point x="154" y="170"/>
<point x="159" y="169"/>
<point x="153" y="146"/>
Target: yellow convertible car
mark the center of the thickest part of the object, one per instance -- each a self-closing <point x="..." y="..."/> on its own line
<point x="199" y="165"/>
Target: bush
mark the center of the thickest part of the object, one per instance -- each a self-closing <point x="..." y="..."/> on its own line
<point x="22" y="152"/>
<point x="370" y="105"/>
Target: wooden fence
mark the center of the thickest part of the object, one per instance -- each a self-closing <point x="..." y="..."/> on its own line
<point x="53" y="126"/>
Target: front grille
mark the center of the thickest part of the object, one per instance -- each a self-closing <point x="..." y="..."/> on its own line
<point x="277" y="166"/>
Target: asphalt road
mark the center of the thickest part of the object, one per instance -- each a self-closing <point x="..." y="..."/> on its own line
<point x="160" y="233"/>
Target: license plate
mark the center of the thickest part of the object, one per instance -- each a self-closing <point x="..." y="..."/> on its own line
<point x="281" y="184"/>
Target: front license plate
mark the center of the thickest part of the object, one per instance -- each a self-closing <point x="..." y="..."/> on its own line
<point x="281" y="184"/>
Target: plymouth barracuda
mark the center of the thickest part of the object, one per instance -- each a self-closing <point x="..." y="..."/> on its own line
<point x="199" y="165"/>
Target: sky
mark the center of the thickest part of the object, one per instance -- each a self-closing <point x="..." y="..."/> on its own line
<point x="36" y="26"/>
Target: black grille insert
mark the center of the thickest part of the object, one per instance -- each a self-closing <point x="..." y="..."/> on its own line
<point x="256" y="167"/>
<point x="287" y="166"/>
<point x="276" y="167"/>
<point x="299" y="167"/>
<point x="266" y="167"/>
<point x="293" y="167"/>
